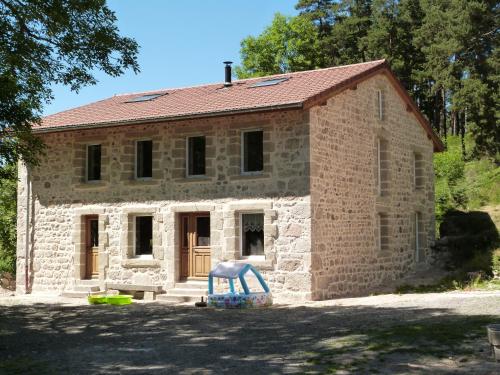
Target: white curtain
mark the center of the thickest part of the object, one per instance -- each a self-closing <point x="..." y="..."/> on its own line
<point x="253" y="222"/>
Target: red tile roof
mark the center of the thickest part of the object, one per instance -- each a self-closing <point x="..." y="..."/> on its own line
<point x="300" y="90"/>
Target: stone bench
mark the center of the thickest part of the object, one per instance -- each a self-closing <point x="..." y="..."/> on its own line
<point x="150" y="291"/>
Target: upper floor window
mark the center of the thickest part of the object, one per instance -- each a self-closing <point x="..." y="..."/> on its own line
<point x="93" y="162"/>
<point x="252" y="151"/>
<point x="144" y="159"/>
<point x="418" y="171"/>
<point x="252" y="234"/>
<point x="143" y="235"/>
<point x="196" y="156"/>
<point x="380" y="104"/>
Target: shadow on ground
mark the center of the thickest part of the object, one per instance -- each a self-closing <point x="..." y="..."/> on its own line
<point x="157" y="339"/>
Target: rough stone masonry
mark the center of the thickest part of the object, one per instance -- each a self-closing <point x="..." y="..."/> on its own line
<point x="329" y="230"/>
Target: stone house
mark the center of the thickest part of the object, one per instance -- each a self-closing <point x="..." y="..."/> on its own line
<point x="321" y="179"/>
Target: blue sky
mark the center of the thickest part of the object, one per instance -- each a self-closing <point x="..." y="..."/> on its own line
<point x="182" y="43"/>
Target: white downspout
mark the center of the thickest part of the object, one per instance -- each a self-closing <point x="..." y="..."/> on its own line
<point x="27" y="231"/>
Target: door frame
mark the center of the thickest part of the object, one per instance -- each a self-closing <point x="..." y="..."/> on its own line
<point x="91" y="272"/>
<point x="189" y="250"/>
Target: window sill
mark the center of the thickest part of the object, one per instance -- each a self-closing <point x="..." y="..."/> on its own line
<point x="259" y="263"/>
<point x="141" y="263"/>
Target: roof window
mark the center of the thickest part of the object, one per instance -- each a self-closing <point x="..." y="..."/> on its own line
<point x="145" y="98"/>
<point x="269" y="82"/>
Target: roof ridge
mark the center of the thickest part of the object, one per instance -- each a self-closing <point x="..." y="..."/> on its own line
<point x="374" y="62"/>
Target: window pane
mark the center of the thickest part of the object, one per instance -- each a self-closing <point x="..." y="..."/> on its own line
<point x="185" y="231"/>
<point x="253" y="157"/>
<point x="94" y="233"/>
<point x="93" y="162"/>
<point x="203" y="231"/>
<point x="196" y="156"/>
<point x="252" y="230"/>
<point x="143" y="235"/>
<point x="144" y="159"/>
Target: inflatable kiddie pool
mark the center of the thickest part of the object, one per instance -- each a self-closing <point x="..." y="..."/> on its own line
<point x="232" y="271"/>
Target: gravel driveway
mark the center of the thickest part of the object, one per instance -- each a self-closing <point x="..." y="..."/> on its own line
<point x="43" y="335"/>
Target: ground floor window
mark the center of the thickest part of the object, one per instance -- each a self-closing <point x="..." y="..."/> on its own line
<point x="252" y="234"/>
<point x="143" y="235"/>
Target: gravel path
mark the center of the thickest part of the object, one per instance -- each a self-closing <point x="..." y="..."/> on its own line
<point x="52" y="335"/>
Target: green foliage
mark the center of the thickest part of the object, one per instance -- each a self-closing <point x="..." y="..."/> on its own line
<point x="46" y="42"/>
<point x="444" y="52"/>
<point x="8" y="220"/>
<point x="483" y="183"/>
<point x="463" y="184"/>
<point x="287" y="45"/>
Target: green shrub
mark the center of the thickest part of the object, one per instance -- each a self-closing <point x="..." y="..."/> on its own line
<point x="8" y="222"/>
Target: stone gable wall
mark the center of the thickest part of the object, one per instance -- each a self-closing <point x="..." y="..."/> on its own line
<point x="62" y="198"/>
<point x="346" y="259"/>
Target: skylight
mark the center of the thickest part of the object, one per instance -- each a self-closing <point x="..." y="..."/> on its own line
<point x="144" y="98"/>
<point x="269" y="82"/>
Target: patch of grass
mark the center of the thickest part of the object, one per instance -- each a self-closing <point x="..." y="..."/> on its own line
<point x="359" y="351"/>
<point x="459" y="281"/>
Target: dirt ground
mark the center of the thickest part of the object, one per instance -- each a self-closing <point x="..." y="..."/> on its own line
<point x="390" y="334"/>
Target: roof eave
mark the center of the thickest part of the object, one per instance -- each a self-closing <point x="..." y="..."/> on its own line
<point x="61" y="128"/>
<point x="380" y="69"/>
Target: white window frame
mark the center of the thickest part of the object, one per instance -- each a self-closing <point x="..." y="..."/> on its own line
<point x="242" y="152"/>
<point x="380" y="101"/>
<point x="134" y="228"/>
<point x="135" y="159"/>
<point x="187" y="157"/>
<point x="250" y="257"/>
<point x="87" y="162"/>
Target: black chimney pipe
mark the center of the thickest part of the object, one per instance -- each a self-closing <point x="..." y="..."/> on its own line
<point x="227" y="69"/>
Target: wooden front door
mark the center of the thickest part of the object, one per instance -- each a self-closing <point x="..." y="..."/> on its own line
<point x="92" y="246"/>
<point x="195" y="245"/>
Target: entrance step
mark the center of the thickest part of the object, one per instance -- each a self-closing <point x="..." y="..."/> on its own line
<point x="88" y="282"/>
<point x="178" y="299"/>
<point x="188" y="291"/>
<point x="78" y="294"/>
<point x="85" y="288"/>
<point x="199" y="285"/>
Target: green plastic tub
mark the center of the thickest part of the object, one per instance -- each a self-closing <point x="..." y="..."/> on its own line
<point x="97" y="299"/>
<point x="119" y="300"/>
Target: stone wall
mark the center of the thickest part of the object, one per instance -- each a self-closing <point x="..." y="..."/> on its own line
<point x="345" y="199"/>
<point x="318" y="192"/>
<point x="63" y="198"/>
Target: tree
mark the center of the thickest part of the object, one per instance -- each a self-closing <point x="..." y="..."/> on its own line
<point x="8" y="213"/>
<point x="288" y="44"/>
<point x="444" y="52"/>
<point x="43" y="42"/>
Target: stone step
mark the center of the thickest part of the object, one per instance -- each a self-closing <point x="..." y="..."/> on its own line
<point x="187" y="292"/>
<point x="178" y="299"/>
<point x="85" y="288"/>
<point x="77" y="294"/>
<point x="192" y="285"/>
<point x="88" y="282"/>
